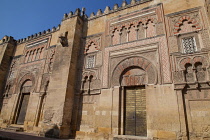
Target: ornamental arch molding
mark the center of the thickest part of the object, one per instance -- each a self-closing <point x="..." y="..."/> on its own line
<point x="193" y="60"/>
<point x="148" y="71"/>
<point x="23" y="79"/>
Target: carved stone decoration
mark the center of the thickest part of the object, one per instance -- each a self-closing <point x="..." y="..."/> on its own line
<point x="137" y="62"/>
<point x="186" y="24"/>
<point x="189" y="74"/>
<point x="159" y="28"/>
<point x="90" y="83"/>
<point x="200" y="72"/>
<point x="173" y="46"/>
<point x="14" y="67"/>
<point x="193" y="60"/>
<point x="183" y="62"/>
<point x="205" y="38"/>
<point x="93" y="44"/>
<point x="9" y="89"/>
<point x="178" y="77"/>
<point x="185" y="21"/>
<point x="27" y="76"/>
<point x="51" y="60"/>
<point x="125" y="32"/>
<point x="11" y="72"/>
<point x="133" y="76"/>
<point x="195" y="69"/>
<point x="63" y="40"/>
<point x="150" y="29"/>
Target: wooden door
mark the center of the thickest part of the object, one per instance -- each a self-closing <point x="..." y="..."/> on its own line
<point x="135" y="111"/>
<point x="23" y="108"/>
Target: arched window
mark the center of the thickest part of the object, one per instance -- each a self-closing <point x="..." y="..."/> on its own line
<point x="189" y="76"/>
<point x="200" y="73"/>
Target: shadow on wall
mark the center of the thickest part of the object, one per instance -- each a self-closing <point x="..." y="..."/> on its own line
<point x="78" y="98"/>
<point x="53" y="132"/>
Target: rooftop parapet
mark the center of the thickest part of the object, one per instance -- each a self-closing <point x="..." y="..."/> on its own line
<point x="39" y="34"/>
<point x="106" y="11"/>
<point x="6" y="39"/>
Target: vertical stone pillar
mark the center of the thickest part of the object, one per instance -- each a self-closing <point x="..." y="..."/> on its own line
<point x="59" y="102"/>
<point x="7" y="48"/>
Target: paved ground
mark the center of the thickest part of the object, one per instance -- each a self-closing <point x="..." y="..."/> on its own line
<point x="8" y="135"/>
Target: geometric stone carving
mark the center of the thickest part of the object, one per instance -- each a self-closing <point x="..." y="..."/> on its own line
<point x="159" y="29"/>
<point x="134" y="76"/>
<point x="205" y="38"/>
<point x="189" y="45"/>
<point x="173" y="44"/>
<point x="147" y="72"/>
<point x="178" y="77"/>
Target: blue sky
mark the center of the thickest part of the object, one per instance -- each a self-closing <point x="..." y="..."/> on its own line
<point x="22" y="18"/>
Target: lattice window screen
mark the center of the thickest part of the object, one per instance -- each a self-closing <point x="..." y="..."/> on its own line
<point x="189" y="45"/>
<point x="90" y="63"/>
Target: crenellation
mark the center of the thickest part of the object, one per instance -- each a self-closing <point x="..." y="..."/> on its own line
<point x="6" y="39"/>
<point x="77" y="12"/>
<point x="92" y="15"/>
<point x="133" y="2"/>
<point x="48" y="31"/>
<point x="115" y="7"/>
<point x="70" y="14"/>
<point x="65" y="16"/>
<point x="124" y="3"/>
<point x="107" y="10"/>
<point x="53" y="29"/>
<point x="39" y="34"/>
<point x="99" y="12"/>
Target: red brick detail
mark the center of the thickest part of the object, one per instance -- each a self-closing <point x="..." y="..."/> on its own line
<point x="180" y="22"/>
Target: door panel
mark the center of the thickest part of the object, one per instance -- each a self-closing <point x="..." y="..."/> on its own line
<point x="135" y="111"/>
<point x="130" y="112"/>
<point x="141" y="126"/>
<point x="23" y="109"/>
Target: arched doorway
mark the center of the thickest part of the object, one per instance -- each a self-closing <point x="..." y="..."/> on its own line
<point x="133" y="81"/>
<point x="132" y="75"/>
<point x="23" y="102"/>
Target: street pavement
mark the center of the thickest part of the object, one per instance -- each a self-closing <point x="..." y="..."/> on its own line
<point x="9" y="135"/>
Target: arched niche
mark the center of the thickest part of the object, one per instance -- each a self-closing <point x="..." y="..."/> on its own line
<point x="26" y="86"/>
<point x="139" y="69"/>
<point x="23" y="100"/>
<point x="133" y="76"/>
<point x="27" y="79"/>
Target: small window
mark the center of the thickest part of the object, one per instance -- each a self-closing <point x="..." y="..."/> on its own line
<point x="90" y="61"/>
<point x="189" y="45"/>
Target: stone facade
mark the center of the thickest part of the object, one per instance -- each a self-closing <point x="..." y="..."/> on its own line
<point x="137" y="71"/>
